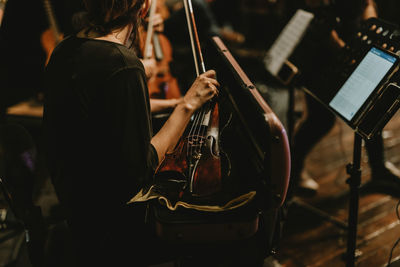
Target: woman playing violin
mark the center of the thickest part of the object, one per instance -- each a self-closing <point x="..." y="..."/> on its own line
<point x="100" y="146"/>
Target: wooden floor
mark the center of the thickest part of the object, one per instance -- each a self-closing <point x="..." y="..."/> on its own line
<point x="311" y="240"/>
<point x="308" y="239"/>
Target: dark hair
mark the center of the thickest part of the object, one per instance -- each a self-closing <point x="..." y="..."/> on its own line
<point x="104" y="16"/>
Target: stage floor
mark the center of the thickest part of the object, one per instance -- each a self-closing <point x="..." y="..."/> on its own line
<point x="308" y="240"/>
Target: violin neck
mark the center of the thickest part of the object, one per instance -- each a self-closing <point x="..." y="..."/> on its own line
<point x="158" y="52"/>
<point x="148" y="48"/>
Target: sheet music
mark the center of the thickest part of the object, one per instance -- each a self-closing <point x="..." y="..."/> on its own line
<point x="362" y="82"/>
<point x="287" y="41"/>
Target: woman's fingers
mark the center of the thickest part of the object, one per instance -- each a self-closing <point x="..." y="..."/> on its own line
<point x="213" y="87"/>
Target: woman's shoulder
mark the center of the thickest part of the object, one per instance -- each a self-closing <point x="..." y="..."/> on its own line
<point x="105" y="54"/>
<point x="108" y="51"/>
<point x="128" y="56"/>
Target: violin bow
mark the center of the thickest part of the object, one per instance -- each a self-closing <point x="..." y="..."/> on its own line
<point x="194" y="38"/>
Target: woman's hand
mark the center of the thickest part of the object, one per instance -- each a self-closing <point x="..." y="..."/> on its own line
<point x="158" y="22"/>
<point x="203" y="89"/>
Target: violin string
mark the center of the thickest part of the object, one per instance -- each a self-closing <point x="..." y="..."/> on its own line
<point x="204" y="129"/>
<point x="198" y="128"/>
<point x="195" y="132"/>
<point x="191" y="133"/>
<point x="199" y="136"/>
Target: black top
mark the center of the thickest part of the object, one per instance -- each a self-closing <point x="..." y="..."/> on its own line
<point x="98" y="132"/>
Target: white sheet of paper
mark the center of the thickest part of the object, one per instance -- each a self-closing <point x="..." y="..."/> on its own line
<point x="287" y="41"/>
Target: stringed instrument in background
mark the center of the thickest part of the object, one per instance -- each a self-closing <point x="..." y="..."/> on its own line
<point x="52" y="36"/>
<point x="156" y="45"/>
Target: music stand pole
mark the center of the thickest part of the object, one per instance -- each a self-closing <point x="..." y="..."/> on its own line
<point x="290" y="113"/>
<point x="354" y="182"/>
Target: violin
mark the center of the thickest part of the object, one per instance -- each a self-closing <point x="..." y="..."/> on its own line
<point x="162" y="85"/>
<point x="195" y="162"/>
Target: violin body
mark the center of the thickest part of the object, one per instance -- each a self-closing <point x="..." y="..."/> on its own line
<point x="195" y="162"/>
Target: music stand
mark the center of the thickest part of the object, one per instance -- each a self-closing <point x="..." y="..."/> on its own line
<point x="366" y="100"/>
<point x="276" y="59"/>
<point x="277" y="63"/>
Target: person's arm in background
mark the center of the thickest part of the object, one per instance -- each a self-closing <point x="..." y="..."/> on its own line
<point x="150" y="66"/>
<point x="369" y="11"/>
<point x="2" y="7"/>
<point x="158" y="105"/>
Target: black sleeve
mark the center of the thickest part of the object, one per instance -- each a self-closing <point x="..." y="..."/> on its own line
<point x="128" y="111"/>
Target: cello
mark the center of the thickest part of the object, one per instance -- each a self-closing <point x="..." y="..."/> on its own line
<point x="156" y="45"/>
<point x="195" y="161"/>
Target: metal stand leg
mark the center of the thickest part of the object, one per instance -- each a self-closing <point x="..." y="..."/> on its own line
<point x="320" y="213"/>
<point x="290" y="114"/>
<point x="354" y="182"/>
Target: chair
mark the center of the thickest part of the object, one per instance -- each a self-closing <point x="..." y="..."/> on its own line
<point x="17" y="176"/>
